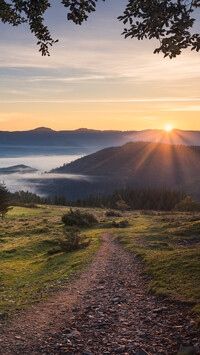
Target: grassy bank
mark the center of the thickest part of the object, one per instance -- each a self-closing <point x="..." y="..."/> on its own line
<point x="30" y="266"/>
<point x="169" y="244"/>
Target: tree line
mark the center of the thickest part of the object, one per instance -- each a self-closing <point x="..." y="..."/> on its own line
<point x="136" y="199"/>
<point x="26" y="197"/>
<point x="125" y="198"/>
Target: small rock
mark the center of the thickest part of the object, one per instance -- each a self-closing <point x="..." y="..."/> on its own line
<point x="142" y="334"/>
<point x="21" y="347"/>
<point x="159" y="310"/>
<point x="120" y="350"/>
<point x="100" y="324"/>
<point x="68" y="342"/>
<point x="187" y="350"/>
<point x="102" y="282"/>
<point x="57" y="346"/>
<point x="141" y="352"/>
<point x="73" y="334"/>
<point x="154" y="315"/>
<point x="148" y="319"/>
<point x="191" y="324"/>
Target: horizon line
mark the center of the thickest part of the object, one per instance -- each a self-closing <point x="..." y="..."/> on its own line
<point x="102" y="130"/>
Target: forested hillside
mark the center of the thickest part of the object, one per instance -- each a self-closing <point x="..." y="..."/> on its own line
<point x="141" y="164"/>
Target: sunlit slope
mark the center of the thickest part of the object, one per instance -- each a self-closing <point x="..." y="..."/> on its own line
<point x="142" y="163"/>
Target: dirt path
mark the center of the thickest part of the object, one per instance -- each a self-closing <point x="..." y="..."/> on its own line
<point x="107" y="311"/>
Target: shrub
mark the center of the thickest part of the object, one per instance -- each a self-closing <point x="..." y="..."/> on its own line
<point x="187" y="205"/>
<point x="122" y="205"/>
<point x="112" y="214"/>
<point x="121" y="224"/>
<point x="73" y="240"/>
<point x="77" y="218"/>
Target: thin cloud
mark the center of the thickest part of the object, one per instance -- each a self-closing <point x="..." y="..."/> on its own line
<point x="190" y="108"/>
<point x="14" y="92"/>
<point x="102" y="100"/>
<point x="69" y="79"/>
<point x="47" y="176"/>
<point x="104" y="57"/>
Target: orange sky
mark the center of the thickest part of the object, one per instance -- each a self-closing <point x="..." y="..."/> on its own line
<point x="95" y="79"/>
<point x="99" y="115"/>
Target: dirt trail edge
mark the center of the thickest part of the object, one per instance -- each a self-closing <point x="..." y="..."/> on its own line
<point x="106" y="311"/>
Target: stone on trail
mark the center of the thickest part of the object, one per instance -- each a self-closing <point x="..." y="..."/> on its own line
<point x="73" y="334"/>
<point x="85" y="352"/>
<point x="141" y="352"/>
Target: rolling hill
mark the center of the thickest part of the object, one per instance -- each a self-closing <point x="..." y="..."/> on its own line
<point x="21" y="169"/>
<point x="139" y="164"/>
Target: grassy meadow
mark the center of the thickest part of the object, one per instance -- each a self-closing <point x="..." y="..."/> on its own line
<point x="32" y="267"/>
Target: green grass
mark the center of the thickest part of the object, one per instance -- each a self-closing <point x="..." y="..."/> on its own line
<point x="28" y="273"/>
<point x="169" y="245"/>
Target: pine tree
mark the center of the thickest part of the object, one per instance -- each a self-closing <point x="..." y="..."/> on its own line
<point x="4" y="200"/>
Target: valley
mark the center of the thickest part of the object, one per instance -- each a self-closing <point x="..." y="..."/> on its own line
<point x="135" y="159"/>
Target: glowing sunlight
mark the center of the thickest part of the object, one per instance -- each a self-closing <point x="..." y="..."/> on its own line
<point x="168" y="128"/>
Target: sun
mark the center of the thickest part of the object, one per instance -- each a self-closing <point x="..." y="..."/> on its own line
<point x="168" y="128"/>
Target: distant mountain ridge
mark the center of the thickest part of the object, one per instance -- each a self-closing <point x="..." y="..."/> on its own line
<point x="21" y="168"/>
<point x="93" y="140"/>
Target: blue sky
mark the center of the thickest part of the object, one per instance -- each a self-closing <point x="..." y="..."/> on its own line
<point x="94" y="78"/>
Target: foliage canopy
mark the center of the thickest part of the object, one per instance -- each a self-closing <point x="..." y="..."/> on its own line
<point x="168" y="21"/>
